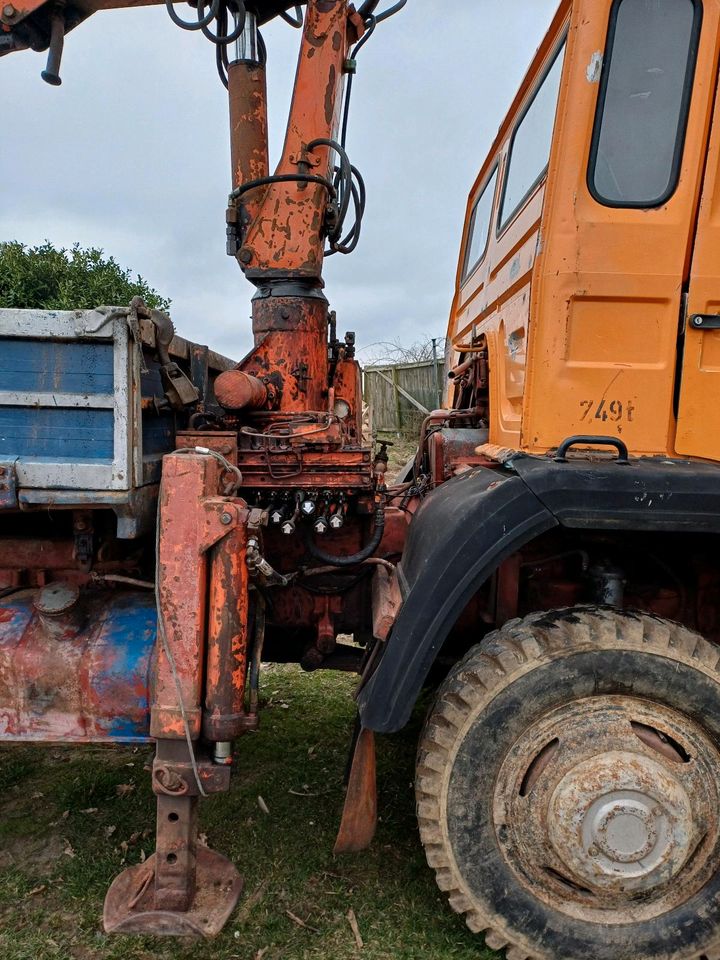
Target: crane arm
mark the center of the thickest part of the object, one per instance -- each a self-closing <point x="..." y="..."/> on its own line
<point x="27" y="24"/>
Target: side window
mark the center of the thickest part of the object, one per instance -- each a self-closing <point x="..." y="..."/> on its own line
<point x="644" y="101"/>
<point x="530" y="147"/>
<point x="480" y="226"/>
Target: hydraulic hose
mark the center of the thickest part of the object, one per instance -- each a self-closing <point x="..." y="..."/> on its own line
<point x="370" y="6"/>
<point x="354" y="558"/>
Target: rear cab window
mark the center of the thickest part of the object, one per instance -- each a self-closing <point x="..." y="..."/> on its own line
<point x="480" y="226"/>
<point x="531" y="143"/>
<point x="644" y="101"/>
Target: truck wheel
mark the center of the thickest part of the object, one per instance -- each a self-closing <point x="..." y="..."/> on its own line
<point x="568" y="788"/>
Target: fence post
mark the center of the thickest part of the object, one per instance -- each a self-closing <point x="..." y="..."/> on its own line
<point x="398" y="407"/>
<point x="438" y="381"/>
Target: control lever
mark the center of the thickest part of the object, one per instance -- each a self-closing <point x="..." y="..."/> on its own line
<point x="51" y="73"/>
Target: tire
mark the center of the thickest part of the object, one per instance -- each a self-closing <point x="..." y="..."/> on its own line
<point x="568" y="788"/>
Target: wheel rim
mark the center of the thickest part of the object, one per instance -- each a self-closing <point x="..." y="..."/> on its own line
<point x="606" y="809"/>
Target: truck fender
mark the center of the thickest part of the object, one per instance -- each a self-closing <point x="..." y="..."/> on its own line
<point x="459" y="536"/>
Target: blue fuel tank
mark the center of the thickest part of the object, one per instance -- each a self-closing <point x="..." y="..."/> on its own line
<point x="76" y="667"/>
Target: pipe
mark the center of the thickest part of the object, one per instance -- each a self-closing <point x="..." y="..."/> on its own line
<point x="247" y="99"/>
<point x="120" y="578"/>
<point x="237" y="390"/>
<point x="51" y="73"/>
<point x="370" y="561"/>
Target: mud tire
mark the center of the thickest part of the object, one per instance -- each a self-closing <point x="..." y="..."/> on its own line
<point x="501" y="686"/>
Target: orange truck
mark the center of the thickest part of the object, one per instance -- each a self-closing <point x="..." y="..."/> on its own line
<point x="548" y="562"/>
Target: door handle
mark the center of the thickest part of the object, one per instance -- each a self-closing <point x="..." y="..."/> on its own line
<point x="705" y="321"/>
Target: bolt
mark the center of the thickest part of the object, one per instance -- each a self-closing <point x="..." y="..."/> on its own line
<point x="245" y="255"/>
<point x="9" y="11"/>
<point x="593" y="852"/>
<point x="285" y="313"/>
<point x="699" y="321"/>
<point x="226" y="518"/>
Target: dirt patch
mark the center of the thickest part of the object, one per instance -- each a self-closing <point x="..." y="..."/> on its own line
<point x="36" y="856"/>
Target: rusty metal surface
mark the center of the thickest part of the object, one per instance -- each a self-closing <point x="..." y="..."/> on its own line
<point x="286" y="238"/>
<point x="247" y="98"/>
<point x="227" y="639"/>
<point x="130" y="906"/>
<point x="608" y="809"/>
<point x="23" y="8"/>
<point x="87" y="679"/>
<point x="291" y="350"/>
<point x="21" y="553"/>
<point x="359" y="818"/>
<point x="386" y="601"/>
<point x="190" y="523"/>
<point x="176" y="844"/>
<point x="224" y="442"/>
<point x="236" y="390"/>
<point x="452" y="450"/>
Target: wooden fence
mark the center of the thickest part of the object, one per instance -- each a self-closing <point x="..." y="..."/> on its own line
<point x="400" y="395"/>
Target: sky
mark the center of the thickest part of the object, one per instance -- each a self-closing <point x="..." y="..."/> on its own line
<point x="131" y="154"/>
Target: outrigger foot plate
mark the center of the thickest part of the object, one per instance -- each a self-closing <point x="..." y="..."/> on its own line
<point x="129" y="904"/>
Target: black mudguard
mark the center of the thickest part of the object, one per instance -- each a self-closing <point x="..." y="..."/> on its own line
<point x="458" y="537"/>
<point x="468" y="526"/>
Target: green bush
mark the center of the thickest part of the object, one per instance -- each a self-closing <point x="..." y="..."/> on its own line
<point x="45" y="278"/>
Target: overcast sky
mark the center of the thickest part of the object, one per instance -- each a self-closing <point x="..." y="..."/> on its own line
<point x="131" y="154"/>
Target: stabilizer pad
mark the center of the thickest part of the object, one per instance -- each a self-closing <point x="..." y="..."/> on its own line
<point x="129" y="901"/>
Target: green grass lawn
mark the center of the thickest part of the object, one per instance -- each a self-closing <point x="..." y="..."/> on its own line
<point x="71" y="819"/>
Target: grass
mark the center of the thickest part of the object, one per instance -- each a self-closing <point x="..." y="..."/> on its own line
<point x="66" y="830"/>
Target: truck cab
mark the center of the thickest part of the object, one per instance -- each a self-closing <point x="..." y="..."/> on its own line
<point x="586" y="269"/>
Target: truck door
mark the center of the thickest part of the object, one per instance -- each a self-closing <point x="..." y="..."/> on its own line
<point x="698" y="427"/>
<point x="619" y="223"/>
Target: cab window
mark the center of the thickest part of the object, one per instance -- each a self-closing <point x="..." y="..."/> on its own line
<point x="643" y="101"/>
<point x="530" y="147"/>
<point x="480" y="226"/>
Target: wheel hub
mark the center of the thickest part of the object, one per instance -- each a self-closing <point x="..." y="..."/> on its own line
<point x="624" y="828"/>
<point x="607" y="808"/>
<point x="620" y="821"/>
